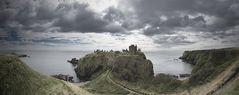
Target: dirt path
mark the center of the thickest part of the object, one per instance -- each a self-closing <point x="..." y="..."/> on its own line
<point x="81" y="83"/>
<point x="227" y="76"/>
<point x="124" y="87"/>
<point x="216" y="84"/>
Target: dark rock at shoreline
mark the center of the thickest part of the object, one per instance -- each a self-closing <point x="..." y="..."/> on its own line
<point x="23" y="55"/>
<point x="73" y="61"/>
<point x="174" y="76"/>
<point x="20" y="55"/>
<point x="189" y="57"/>
<point x="64" y="77"/>
<point x="184" y="75"/>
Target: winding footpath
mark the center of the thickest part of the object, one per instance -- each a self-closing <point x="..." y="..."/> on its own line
<point x="124" y="87"/>
<point x="227" y="76"/>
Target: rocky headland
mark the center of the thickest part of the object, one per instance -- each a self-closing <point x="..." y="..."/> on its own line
<point x="130" y="65"/>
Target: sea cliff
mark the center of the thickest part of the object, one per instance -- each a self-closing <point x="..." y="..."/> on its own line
<point x="209" y="63"/>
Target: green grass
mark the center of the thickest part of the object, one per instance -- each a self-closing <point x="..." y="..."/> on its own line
<point x="18" y="79"/>
<point x="209" y="63"/>
<point x="232" y="87"/>
<point x="102" y="85"/>
<point x="161" y="84"/>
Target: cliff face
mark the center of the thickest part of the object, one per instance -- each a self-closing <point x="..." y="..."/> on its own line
<point x="16" y="78"/>
<point x="132" y="68"/>
<point x="209" y="63"/>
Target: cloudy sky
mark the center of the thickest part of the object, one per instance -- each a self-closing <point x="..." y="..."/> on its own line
<point x="115" y="24"/>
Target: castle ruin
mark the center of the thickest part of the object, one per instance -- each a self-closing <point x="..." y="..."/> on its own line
<point x="133" y="49"/>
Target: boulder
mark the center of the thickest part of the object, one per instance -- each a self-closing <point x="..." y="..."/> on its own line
<point x="73" y="61"/>
<point x="184" y="75"/>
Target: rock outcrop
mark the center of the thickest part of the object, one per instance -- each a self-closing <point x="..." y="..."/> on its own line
<point x="129" y="65"/>
<point x="63" y="77"/>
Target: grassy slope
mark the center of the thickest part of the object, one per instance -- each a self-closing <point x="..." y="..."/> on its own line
<point x="93" y="65"/>
<point x="102" y="85"/>
<point x="209" y="63"/>
<point x="222" y="79"/>
<point x="213" y="85"/>
<point x="232" y="88"/>
<point x="18" y="79"/>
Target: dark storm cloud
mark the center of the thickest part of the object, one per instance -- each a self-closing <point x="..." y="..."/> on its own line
<point x="113" y="14"/>
<point x="58" y="40"/>
<point x="217" y="19"/>
<point x="127" y="20"/>
<point x="77" y="17"/>
<point x="53" y="15"/>
<point x="169" y="41"/>
<point x="178" y="12"/>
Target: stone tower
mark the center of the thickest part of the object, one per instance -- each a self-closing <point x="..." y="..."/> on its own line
<point x="133" y="49"/>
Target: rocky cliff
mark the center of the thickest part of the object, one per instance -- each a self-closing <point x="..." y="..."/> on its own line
<point x="124" y="65"/>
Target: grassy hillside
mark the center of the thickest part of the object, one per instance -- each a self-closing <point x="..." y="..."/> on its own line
<point x="209" y="63"/>
<point x="232" y="86"/>
<point x="102" y="85"/>
<point x="160" y="84"/>
<point x="230" y="89"/>
<point x="16" y="78"/>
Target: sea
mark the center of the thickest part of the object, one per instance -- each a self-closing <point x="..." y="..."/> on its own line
<point x="55" y="62"/>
